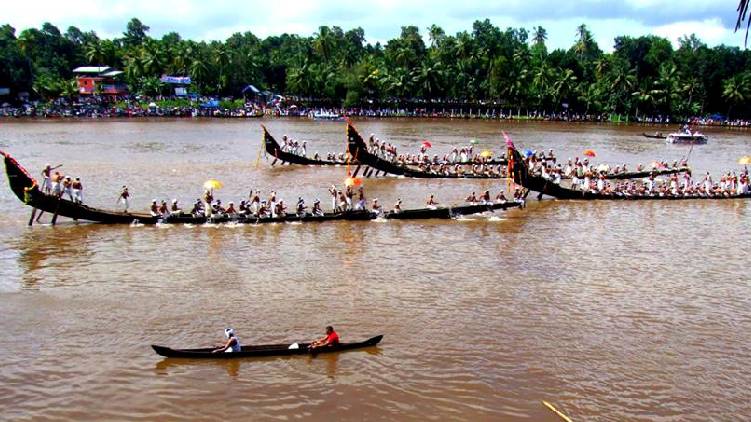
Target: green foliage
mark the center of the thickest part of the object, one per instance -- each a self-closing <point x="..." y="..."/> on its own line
<point x="509" y="68"/>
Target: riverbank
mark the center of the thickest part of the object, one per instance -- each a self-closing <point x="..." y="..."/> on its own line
<point x="334" y="115"/>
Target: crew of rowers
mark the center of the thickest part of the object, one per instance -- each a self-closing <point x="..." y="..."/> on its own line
<point x="582" y="173"/>
<point x="730" y="184"/>
<point x="296" y="147"/>
<point x="485" y="197"/>
<point x="57" y="184"/>
<point x="273" y="207"/>
<point x="586" y="178"/>
<point x="462" y="161"/>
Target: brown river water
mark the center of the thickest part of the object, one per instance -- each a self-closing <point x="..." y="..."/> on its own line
<point x="612" y="311"/>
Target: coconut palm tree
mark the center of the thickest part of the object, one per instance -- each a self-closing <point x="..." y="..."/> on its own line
<point x="735" y="91"/>
<point x="743" y="16"/>
<point x="540" y="35"/>
<point x="94" y="53"/>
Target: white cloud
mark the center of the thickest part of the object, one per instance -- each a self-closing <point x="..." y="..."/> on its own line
<point x="382" y="19"/>
<point x="710" y="31"/>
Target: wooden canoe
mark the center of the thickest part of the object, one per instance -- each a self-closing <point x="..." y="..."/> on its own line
<point x="261" y="350"/>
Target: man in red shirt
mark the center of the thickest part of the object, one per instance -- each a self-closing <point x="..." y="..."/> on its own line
<point x="331" y="339"/>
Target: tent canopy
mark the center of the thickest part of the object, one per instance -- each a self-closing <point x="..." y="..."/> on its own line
<point x="252" y="89"/>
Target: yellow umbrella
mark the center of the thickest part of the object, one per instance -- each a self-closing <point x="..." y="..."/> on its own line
<point x="212" y="184"/>
<point x="746" y="159"/>
<point x="352" y="181"/>
<point x="486" y="154"/>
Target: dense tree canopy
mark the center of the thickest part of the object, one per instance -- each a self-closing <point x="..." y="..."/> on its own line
<point x="509" y="68"/>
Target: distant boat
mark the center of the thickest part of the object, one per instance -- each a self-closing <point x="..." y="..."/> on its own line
<point x="656" y="135"/>
<point x="326" y="115"/>
<point x="687" y="138"/>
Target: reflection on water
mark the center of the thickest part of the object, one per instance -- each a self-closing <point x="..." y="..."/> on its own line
<point x="613" y="311"/>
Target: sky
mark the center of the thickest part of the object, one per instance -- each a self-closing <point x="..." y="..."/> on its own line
<point x="712" y="21"/>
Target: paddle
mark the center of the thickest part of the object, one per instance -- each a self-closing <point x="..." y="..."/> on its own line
<point x="54" y="216"/>
<point x="33" y="213"/>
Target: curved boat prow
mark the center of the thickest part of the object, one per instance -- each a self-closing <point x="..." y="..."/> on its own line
<point x="373" y="341"/>
<point x="18" y="178"/>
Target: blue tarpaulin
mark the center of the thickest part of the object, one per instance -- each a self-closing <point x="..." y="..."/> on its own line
<point x="178" y="80"/>
<point x="210" y="104"/>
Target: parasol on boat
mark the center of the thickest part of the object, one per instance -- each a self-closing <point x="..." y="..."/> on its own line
<point x="590" y="153"/>
<point x="353" y="181"/>
<point x="213" y="184"/>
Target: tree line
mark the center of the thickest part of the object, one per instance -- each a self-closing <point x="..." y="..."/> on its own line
<point x="511" y="68"/>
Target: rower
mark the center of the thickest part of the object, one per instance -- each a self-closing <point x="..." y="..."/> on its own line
<point x="361" y="203"/>
<point x="431" y="201"/>
<point x="472" y="198"/>
<point x="197" y="208"/>
<point x="46" y="173"/>
<point x="67" y="187"/>
<point x="123" y="198"/>
<point x="331" y="339"/>
<point x="218" y="208"/>
<point x="332" y="191"/>
<point x="56" y="179"/>
<point x="77" y="188"/>
<point x="175" y="208"/>
<point x="280" y="210"/>
<point x="377" y="208"/>
<point x="398" y="206"/>
<point x="208" y="198"/>
<point x="230" y="209"/>
<point x="486" y="198"/>
<point x="154" y="209"/>
<point x="163" y="210"/>
<point x="317" y="211"/>
<point x="232" y="345"/>
<point x="300" y="207"/>
<point x="500" y="198"/>
<point x="263" y="210"/>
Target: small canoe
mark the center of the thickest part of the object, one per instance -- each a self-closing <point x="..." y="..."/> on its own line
<point x="656" y="135"/>
<point x="260" y="350"/>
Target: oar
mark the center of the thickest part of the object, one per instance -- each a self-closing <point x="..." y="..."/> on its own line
<point x="357" y="170"/>
<point x="365" y="172"/>
<point x="54" y="216"/>
<point x="33" y="213"/>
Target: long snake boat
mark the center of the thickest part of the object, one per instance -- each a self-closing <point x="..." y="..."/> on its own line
<point x="275" y="150"/>
<point x="27" y="190"/>
<point x="262" y="350"/>
<point x="359" y="150"/>
<point x="522" y="176"/>
<point x="272" y="148"/>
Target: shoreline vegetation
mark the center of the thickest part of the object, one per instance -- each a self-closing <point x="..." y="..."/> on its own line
<point x="486" y="71"/>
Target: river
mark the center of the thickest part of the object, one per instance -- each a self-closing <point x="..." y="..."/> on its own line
<point x="612" y="311"/>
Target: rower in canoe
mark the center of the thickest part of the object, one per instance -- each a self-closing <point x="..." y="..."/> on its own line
<point x="232" y="345"/>
<point x="331" y="339"/>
